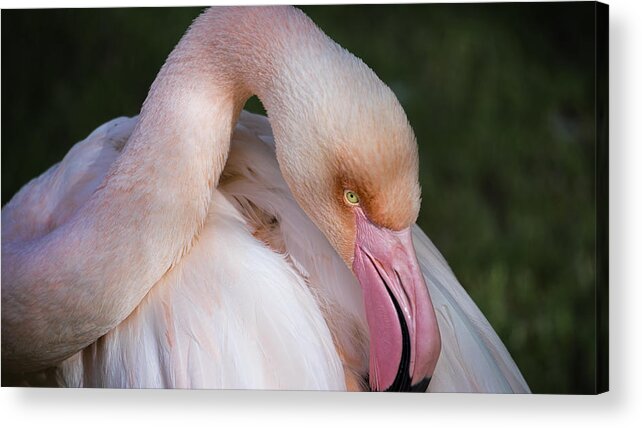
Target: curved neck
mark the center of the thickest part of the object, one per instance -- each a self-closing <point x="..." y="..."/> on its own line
<point x="64" y="290"/>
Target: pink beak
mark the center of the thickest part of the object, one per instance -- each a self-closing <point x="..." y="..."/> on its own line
<point x="404" y="336"/>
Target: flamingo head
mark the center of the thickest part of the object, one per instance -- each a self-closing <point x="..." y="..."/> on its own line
<point x="352" y="164"/>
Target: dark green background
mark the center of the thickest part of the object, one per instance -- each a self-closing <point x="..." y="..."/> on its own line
<point x="501" y="97"/>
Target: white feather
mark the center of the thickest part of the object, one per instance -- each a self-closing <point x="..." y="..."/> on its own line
<point x="222" y="318"/>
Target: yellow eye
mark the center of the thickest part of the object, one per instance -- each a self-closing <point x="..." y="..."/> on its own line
<point x="351" y="197"/>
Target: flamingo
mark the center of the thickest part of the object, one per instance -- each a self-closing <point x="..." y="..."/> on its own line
<point x="201" y="246"/>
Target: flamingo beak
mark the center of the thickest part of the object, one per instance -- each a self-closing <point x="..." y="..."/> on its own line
<point x="404" y="336"/>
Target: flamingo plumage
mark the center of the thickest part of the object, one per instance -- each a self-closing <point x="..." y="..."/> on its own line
<point x="200" y="246"/>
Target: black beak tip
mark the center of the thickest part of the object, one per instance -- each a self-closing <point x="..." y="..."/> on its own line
<point x="421" y="386"/>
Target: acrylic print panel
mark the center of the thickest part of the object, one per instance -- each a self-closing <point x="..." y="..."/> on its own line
<point x="156" y="251"/>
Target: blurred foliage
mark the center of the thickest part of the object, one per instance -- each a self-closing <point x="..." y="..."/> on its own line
<point x="501" y="97"/>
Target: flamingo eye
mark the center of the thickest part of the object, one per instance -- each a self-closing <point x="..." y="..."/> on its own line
<point x="351" y="197"/>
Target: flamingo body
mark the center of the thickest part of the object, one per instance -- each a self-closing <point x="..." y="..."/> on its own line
<point x="262" y="300"/>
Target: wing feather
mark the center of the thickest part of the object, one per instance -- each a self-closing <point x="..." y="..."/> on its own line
<point x="50" y="199"/>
